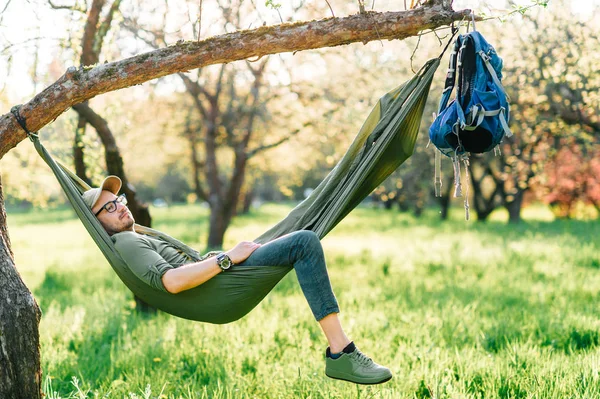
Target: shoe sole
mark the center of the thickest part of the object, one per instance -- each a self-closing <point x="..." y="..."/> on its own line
<point x="342" y="377"/>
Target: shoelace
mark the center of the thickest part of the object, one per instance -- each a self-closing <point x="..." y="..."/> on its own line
<point x="362" y="359"/>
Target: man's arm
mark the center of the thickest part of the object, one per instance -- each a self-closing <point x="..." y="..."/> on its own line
<point x="190" y="275"/>
<point x="194" y="274"/>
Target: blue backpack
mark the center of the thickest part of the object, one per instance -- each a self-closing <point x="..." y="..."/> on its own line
<point x="477" y="119"/>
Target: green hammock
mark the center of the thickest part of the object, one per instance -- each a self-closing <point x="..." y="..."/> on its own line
<point x="386" y="139"/>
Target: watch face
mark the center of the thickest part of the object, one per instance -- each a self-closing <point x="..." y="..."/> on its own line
<point x="223" y="261"/>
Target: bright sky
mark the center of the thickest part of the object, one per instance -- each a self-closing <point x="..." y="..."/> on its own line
<point x="25" y="24"/>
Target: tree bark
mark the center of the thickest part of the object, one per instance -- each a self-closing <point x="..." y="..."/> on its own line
<point x="78" y="153"/>
<point x="78" y="85"/>
<point x="246" y="203"/>
<point x="484" y="206"/>
<point x="445" y="198"/>
<point x="20" y="369"/>
<point x="217" y="227"/>
<point x="514" y="207"/>
<point x="114" y="162"/>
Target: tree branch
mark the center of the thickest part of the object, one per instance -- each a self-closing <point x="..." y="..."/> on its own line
<point x="76" y="7"/>
<point x="105" y="26"/>
<point x="274" y="144"/>
<point x="88" y="55"/>
<point x="99" y="123"/>
<point x="78" y="85"/>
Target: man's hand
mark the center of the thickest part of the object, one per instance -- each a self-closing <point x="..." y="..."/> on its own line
<point x="242" y="251"/>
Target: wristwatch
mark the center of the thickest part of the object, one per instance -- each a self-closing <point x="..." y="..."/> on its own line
<point x="224" y="261"/>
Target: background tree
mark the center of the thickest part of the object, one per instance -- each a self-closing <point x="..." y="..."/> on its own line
<point x="96" y="28"/>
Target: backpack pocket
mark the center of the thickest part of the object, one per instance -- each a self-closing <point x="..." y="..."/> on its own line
<point x="441" y="131"/>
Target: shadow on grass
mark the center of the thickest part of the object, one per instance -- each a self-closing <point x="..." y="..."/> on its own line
<point x="115" y="343"/>
<point x="65" y="288"/>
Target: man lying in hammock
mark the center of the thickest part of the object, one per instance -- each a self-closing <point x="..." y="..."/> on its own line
<point x="163" y="267"/>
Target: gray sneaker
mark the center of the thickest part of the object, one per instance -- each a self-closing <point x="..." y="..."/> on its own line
<point x="356" y="367"/>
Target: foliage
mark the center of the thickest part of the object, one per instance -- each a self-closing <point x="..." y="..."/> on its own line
<point x="571" y="178"/>
<point x="484" y="310"/>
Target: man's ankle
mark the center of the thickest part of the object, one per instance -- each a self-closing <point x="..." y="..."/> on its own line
<point x="349" y="348"/>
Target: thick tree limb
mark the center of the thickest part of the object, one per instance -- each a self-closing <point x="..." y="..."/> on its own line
<point x="78" y="85"/>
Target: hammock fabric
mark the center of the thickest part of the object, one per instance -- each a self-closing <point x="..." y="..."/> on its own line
<point x="386" y="140"/>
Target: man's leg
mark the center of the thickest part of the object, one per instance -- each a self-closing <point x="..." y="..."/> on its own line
<point x="334" y="332"/>
<point x="303" y="250"/>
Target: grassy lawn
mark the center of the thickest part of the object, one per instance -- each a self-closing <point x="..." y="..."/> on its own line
<point x="456" y="310"/>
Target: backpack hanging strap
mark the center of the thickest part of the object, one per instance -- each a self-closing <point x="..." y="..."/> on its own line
<point x="459" y="107"/>
<point x="450" y="76"/>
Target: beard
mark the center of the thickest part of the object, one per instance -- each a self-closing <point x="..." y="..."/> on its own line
<point x="124" y="226"/>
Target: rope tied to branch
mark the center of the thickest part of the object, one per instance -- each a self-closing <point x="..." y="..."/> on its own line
<point x="15" y="111"/>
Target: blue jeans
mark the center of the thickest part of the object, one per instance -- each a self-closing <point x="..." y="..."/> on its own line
<point x="302" y="250"/>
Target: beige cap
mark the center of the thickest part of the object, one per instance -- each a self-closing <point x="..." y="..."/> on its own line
<point x="111" y="183"/>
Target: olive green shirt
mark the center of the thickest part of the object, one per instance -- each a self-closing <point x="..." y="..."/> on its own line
<point x="149" y="258"/>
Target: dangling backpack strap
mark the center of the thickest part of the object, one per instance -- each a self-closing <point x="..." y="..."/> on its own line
<point x="437" y="167"/>
<point x="497" y="152"/>
<point x="450" y="75"/>
<point x="438" y="172"/>
<point x="465" y="159"/>
<point x="457" y="183"/>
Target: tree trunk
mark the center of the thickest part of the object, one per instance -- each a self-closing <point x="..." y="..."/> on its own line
<point x="480" y="169"/>
<point x="514" y="207"/>
<point x="114" y="166"/>
<point x="217" y="227"/>
<point x="418" y="210"/>
<point x="445" y="198"/>
<point x="247" y="201"/>
<point x="78" y="153"/>
<point x="140" y="212"/>
<point x="20" y="369"/>
<point x="114" y="162"/>
<point x="192" y="136"/>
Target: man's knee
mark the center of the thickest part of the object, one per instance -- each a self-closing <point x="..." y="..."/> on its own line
<point x="308" y="237"/>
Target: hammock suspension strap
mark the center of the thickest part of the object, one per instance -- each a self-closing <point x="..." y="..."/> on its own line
<point x="15" y="111"/>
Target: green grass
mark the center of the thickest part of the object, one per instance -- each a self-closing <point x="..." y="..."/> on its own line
<point x="456" y="309"/>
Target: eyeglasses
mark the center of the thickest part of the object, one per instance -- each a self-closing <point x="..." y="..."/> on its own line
<point x="111" y="206"/>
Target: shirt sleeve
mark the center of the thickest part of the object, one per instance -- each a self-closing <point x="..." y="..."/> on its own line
<point x="142" y="259"/>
